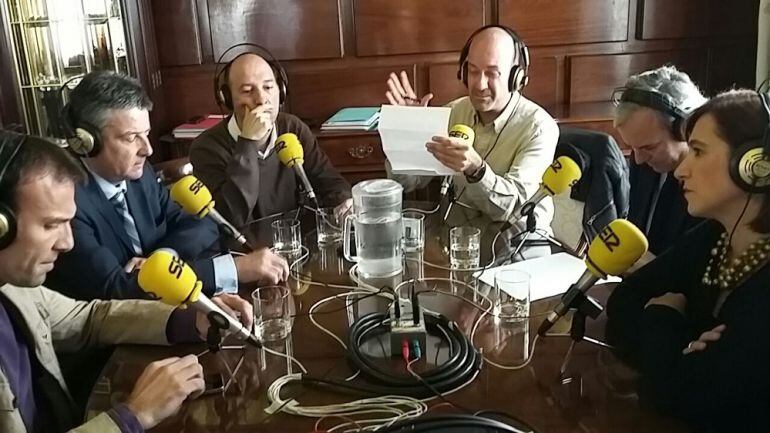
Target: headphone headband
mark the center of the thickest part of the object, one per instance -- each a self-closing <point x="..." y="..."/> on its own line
<point x="519" y="76"/>
<point x="650" y="99"/>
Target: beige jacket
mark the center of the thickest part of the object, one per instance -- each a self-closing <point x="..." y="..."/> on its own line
<point x="61" y="323"/>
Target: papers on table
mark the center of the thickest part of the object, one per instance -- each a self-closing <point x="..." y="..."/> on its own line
<point x="404" y="132"/>
<point x="549" y="276"/>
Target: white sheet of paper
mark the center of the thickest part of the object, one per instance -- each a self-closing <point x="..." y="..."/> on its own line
<point x="549" y="276"/>
<point x="404" y="132"/>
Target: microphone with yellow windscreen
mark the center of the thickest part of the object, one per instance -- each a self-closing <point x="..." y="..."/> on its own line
<point x="615" y="249"/>
<point x="562" y="174"/>
<point x="196" y="199"/>
<point x="166" y="277"/>
<point x="292" y="155"/>
<point x="468" y="135"/>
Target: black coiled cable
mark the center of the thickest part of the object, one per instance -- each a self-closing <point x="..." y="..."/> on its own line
<point x="463" y="362"/>
<point x="452" y="423"/>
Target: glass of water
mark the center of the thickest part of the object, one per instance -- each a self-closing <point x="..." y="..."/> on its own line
<point x="464" y="243"/>
<point x="414" y="232"/>
<point x="286" y="237"/>
<point x="511" y="295"/>
<point x="328" y="226"/>
<point x="272" y="312"/>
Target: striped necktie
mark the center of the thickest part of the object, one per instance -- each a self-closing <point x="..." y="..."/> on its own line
<point x="119" y="201"/>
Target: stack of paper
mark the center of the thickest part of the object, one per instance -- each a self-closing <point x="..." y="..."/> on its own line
<point x="404" y="131"/>
<point x="353" y="119"/>
<point x="195" y="128"/>
<point x="549" y="276"/>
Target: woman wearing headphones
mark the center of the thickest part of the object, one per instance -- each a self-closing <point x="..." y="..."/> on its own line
<point x="695" y="321"/>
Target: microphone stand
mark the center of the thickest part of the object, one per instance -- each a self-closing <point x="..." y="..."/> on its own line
<point x="531" y="228"/>
<point x="585" y="306"/>
<point x="214" y="337"/>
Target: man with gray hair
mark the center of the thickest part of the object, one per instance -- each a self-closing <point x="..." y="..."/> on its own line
<point x="123" y="214"/>
<point x="649" y="112"/>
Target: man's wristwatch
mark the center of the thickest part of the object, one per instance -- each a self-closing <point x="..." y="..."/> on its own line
<point x="477" y="175"/>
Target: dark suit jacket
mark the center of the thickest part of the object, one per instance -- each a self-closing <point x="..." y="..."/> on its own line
<point x="94" y="267"/>
<point x="670" y="220"/>
<point x="603" y="186"/>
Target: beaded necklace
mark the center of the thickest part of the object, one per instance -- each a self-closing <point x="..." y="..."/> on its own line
<point x="728" y="275"/>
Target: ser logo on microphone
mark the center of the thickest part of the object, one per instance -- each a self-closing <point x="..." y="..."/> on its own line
<point x="610" y="239"/>
<point x="196" y="186"/>
<point x="459" y="134"/>
<point x="557" y="166"/>
<point x="175" y="266"/>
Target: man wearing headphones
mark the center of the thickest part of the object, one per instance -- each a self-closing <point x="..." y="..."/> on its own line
<point x="515" y="138"/>
<point x="649" y="113"/>
<point x="37" y="190"/>
<point x="236" y="159"/>
<point x="123" y="213"/>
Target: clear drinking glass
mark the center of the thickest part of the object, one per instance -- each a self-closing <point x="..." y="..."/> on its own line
<point x="464" y="243"/>
<point x="272" y="312"/>
<point x="328" y="226"/>
<point x="414" y="231"/>
<point x="511" y="295"/>
<point x="287" y="240"/>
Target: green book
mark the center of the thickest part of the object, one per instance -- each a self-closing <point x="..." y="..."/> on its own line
<point x="354" y="116"/>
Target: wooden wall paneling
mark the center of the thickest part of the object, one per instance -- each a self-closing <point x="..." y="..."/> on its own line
<point x="666" y="19"/>
<point x="191" y="90"/>
<point x="732" y="67"/>
<point x="290" y="29"/>
<point x="204" y="30"/>
<point x="176" y="27"/>
<point x="316" y="95"/>
<point x="556" y="22"/>
<point x="542" y="86"/>
<point x="443" y="83"/>
<point x="543" y="81"/>
<point x="734" y="18"/>
<point x="387" y="27"/>
<point x="593" y="78"/>
<point x="10" y="106"/>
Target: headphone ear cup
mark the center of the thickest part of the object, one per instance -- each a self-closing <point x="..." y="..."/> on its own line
<point x="225" y="96"/>
<point x="462" y="73"/>
<point x="7" y="225"/>
<point x="516" y="79"/>
<point x="750" y="168"/>
<point x="83" y="143"/>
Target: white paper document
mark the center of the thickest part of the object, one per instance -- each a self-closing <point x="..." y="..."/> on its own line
<point x="404" y="132"/>
<point x="549" y="276"/>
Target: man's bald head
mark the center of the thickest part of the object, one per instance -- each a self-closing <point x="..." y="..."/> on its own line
<point x="491" y="55"/>
<point x="252" y="84"/>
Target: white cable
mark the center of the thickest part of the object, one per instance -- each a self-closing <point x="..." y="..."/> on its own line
<point x="389" y="409"/>
<point x="287" y="356"/>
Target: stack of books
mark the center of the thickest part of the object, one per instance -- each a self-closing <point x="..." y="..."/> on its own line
<point x="353" y="119"/>
<point x="195" y="127"/>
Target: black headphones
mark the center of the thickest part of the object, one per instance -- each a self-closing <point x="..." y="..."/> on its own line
<point x="82" y="137"/>
<point x="658" y="102"/>
<point x="750" y="162"/>
<point x="519" y="76"/>
<point x="10" y="145"/>
<point x="223" y="93"/>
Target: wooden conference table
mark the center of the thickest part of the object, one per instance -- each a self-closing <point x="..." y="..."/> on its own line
<point x="596" y="394"/>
